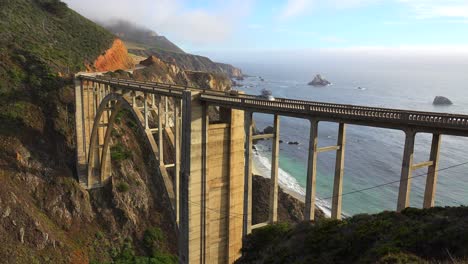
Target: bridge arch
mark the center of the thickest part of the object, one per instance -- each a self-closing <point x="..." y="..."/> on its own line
<point x="98" y="170"/>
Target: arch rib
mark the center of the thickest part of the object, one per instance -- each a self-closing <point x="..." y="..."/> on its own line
<point x="119" y="103"/>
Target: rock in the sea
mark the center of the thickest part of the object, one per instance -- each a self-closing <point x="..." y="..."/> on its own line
<point x="235" y="84"/>
<point x="293" y="143"/>
<point x="319" y="81"/>
<point x="441" y="100"/>
<point x="268" y="130"/>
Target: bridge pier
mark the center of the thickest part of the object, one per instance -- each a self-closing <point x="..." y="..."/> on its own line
<point x="273" y="210"/>
<point x="406" y="171"/>
<point x="339" y="172"/>
<point x="311" y="172"/>
<point x="431" y="180"/>
<point x="247" y="217"/>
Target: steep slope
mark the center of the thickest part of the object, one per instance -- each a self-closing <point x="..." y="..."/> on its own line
<point x="45" y="216"/>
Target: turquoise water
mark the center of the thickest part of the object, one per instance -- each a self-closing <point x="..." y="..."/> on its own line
<point x="373" y="155"/>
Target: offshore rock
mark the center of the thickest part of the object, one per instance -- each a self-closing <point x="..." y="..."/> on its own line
<point x="268" y="130"/>
<point x="319" y="81"/>
<point x="441" y="100"/>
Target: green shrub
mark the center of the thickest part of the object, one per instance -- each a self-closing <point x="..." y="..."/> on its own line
<point x="119" y="152"/>
<point x="56" y="7"/>
<point x="152" y="240"/>
<point x="123" y="187"/>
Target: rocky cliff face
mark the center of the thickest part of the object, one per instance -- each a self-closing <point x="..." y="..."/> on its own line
<point x="191" y="62"/>
<point x="158" y="70"/>
<point x="290" y="209"/>
<point x="114" y="58"/>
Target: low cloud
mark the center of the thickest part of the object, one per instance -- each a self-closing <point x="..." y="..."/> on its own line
<point x="172" y="18"/>
<point x="426" y="9"/>
<point x="295" y="7"/>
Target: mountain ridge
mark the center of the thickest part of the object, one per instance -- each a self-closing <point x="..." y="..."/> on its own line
<point x="145" y="42"/>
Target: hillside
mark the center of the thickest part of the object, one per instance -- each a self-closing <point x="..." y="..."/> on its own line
<point x="145" y="42"/>
<point x="436" y="235"/>
<point x="140" y="37"/>
<point x="45" y="215"/>
<point x="190" y="62"/>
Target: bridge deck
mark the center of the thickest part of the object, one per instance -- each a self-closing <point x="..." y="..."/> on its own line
<point x="430" y="122"/>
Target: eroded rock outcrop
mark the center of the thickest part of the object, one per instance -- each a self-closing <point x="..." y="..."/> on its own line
<point x="114" y="58"/>
<point x="290" y="209"/>
<point x="158" y="70"/>
<point x="441" y="100"/>
<point x="319" y="81"/>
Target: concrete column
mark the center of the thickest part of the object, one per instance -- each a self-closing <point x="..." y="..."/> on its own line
<point x="88" y="114"/>
<point x="160" y="131"/>
<point x="432" y="172"/>
<point x="273" y="210"/>
<point x="339" y="171"/>
<point x="247" y="226"/>
<point x="80" y="131"/>
<point x="166" y="112"/>
<point x="145" y="106"/>
<point x="191" y="238"/>
<point x="133" y="95"/>
<point x="406" y="171"/>
<point x="236" y="184"/>
<point x="177" y="156"/>
<point x="311" y="172"/>
<point x="204" y="222"/>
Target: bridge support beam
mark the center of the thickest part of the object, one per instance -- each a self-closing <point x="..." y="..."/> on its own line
<point x="160" y="130"/>
<point x="339" y="172"/>
<point x="80" y="131"/>
<point x="406" y="171"/>
<point x="145" y="109"/>
<point x="236" y="184"/>
<point x="311" y="172"/>
<point x="273" y="210"/>
<point x="247" y="217"/>
<point x="432" y="173"/>
<point x="177" y="156"/>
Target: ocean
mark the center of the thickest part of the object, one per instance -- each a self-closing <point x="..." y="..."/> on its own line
<point x="373" y="156"/>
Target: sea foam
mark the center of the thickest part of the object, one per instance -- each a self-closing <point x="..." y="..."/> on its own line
<point x="285" y="180"/>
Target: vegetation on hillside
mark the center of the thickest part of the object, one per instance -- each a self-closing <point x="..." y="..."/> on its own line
<point x="436" y="235"/>
<point x="45" y="215"/>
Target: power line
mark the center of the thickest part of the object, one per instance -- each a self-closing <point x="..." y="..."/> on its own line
<point x="237" y="215"/>
<point x="392" y="182"/>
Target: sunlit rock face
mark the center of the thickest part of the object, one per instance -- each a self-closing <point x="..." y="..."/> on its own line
<point x="115" y="58"/>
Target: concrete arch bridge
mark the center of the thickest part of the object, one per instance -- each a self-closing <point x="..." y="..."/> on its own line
<point x="208" y="176"/>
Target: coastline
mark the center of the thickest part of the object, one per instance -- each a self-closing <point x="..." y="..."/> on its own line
<point x="293" y="193"/>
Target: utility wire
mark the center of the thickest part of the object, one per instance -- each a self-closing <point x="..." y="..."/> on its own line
<point x="392" y="182"/>
<point x="237" y="215"/>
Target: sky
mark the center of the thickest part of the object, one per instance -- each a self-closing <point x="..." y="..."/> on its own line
<point x="229" y="26"/>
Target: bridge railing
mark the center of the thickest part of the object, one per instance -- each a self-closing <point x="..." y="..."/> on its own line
<point x="348" y="111"/>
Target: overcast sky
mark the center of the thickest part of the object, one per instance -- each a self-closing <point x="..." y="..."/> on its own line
<point x="259" y="25"/>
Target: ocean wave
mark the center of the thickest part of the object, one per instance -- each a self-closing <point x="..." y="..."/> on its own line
<point x="285" y="180"/>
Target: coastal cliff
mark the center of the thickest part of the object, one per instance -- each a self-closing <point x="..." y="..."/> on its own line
<point x="190" y="62"/>
<point x="290" y="209"/>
